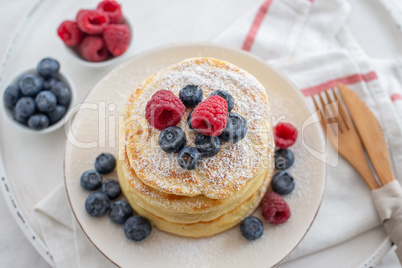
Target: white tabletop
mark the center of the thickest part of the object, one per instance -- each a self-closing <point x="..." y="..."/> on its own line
<point x="369" y="22"/>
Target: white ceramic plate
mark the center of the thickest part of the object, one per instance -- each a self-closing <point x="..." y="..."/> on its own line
<point x="94" y="130"/>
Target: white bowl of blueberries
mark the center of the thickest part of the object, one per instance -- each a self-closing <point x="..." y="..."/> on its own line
<point x="39" y="99"/>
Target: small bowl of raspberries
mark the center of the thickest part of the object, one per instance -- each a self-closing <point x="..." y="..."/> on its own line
<point x="39" y="99"/>
<point x="97" y="37"/>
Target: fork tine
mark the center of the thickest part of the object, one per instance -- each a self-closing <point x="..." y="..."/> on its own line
<point x="322" y="118"/>
<point x="335" y="113"/>
<point x="342" y="110"/>
<point x="328" y="115"/>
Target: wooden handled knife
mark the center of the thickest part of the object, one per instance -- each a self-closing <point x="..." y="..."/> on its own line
<point x="370" y="133"/>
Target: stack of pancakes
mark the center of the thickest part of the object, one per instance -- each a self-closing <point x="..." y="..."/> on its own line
<point x="225" y="188"/>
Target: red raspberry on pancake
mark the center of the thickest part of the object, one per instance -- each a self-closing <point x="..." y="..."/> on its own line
<point x="210" y="116"/>
<point x="164" y="110"/>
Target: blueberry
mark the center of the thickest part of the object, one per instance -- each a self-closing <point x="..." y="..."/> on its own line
<point x="105" y="163"/>
<point x="30" y="84"/>
<point x="172" y="139"/>
<point x="120" y="211"/>
<point x="62" y="92"/>
<point x="46" y="101"/>
<point x="226" y="96"/>
<point x="38" y="121"/>
<point x="283" y="159"/>
<point x="48" y="67"/>
<point x="56" y="114"/>
<point x="189" y="120"/>
<point x="251" y="228"/>
<point x="111" y="188"/>
<point x="236" y="128"/>
<point x="207" y="145"/>
<point x="97" y="204"/>
<point x="25" y="107"/>
<point x="11" y="96"/>
<point x="91" y="180"/>
<point x="282" y="183"/>
<point x="191" y="95"/>
<point x="49" y="83"/>
<point x="189" y="158"/>
<point x="137" y="228"/>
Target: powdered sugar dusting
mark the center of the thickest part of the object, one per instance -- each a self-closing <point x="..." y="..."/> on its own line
<point x="219" y="176"/>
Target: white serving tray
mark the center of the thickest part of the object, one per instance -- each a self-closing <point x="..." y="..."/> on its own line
<point x="31" y="166"/>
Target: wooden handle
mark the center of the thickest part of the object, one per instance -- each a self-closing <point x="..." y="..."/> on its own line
<point x="370" y="133"/>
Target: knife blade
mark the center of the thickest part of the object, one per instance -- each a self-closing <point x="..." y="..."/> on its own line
<point x="370" y="134"/>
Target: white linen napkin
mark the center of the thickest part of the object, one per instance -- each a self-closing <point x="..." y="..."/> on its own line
<point x="315" y="51"/>
<point x="56" y="218"/>
<point x="67" y="243"/>
<point x="308" y="42"/>
<point x="388" y="201"/>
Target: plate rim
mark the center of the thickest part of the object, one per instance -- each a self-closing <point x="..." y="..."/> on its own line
<point x="190" y="45"/>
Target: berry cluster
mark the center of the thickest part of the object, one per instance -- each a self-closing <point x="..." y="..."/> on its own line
<point x="98" y="34"/>
<point x="39" y="99"/>
<point x="274" y="208"/>
<point x="285" y="136"/>
<point x="136" y="228"/>
<point x="210" y="118"/>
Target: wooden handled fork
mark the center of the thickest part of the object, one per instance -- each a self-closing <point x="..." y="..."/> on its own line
<point x="353" y="139"/>
<point x="343" y="135"/>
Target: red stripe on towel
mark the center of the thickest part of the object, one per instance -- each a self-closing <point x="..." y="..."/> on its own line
<point x="248" y="42"/>
<point x="396" y="96"/>
<point x="356" y="78"/>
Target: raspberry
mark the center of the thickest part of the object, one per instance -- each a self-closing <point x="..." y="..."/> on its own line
<point x="112" y="10"/>
<point x="69" y="32"/>
<point x="117" y="38"/>
<point x="210" y="116"/>
<point x="92" y="21"/>
<point x="93" y="48"/>
<point x="164" y="110"/>
<point x="285" y="135"/>
<point x="274" y="209"/>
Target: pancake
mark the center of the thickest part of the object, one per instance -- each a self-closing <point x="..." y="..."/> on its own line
<point x="225" y="187"/>
<point x="182" y="209"/>
<point x="208" y="228"/>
